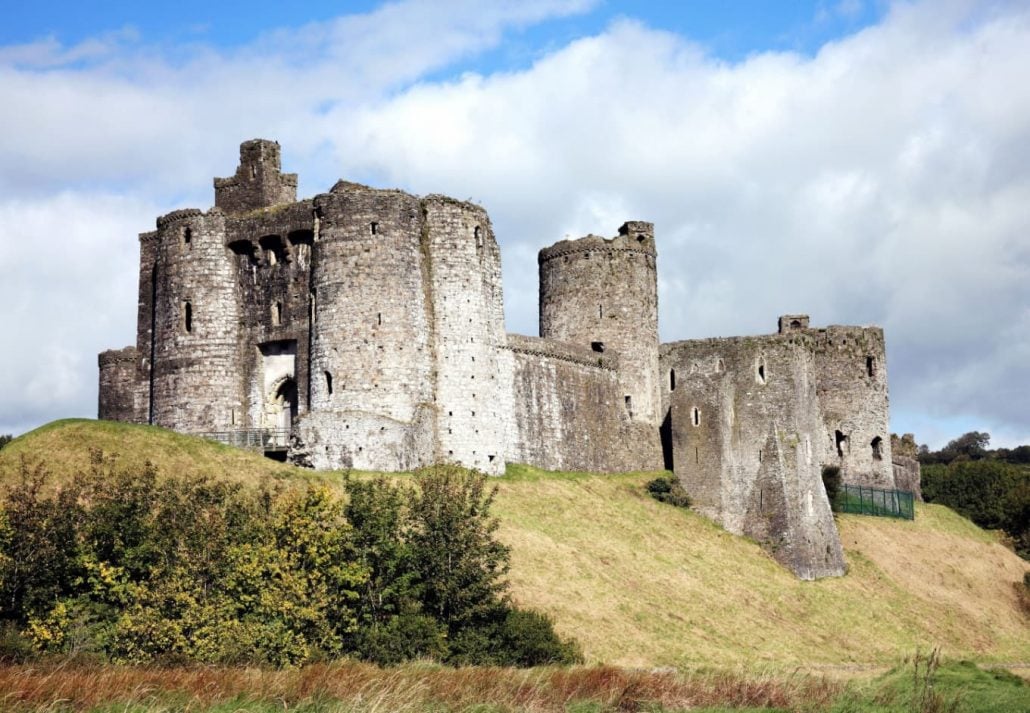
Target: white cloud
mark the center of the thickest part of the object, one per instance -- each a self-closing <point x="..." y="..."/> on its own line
<point x="883" y="180"/>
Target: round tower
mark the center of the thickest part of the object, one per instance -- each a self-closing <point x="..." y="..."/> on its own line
<point x="603" y="293"/>
<point x="371" y="360"/>
<point x="196" y="384"/>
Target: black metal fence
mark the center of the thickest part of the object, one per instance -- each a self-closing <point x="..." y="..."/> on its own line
<point x="265" y="439"/>
<point x="860" y="500"/>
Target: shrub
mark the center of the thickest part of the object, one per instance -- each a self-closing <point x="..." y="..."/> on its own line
<point x="5" y="439"/>
<point x="403" y="638"/>
<point x="527" y="638"/>
<point x="137" y="569"/>
<point x="668" y="490"/>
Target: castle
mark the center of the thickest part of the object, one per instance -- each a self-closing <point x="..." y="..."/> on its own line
<point x="366" y="326"/>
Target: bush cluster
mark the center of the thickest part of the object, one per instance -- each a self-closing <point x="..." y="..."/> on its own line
<point x="132" y="567"/>
<point x="993" y="494"/>
<point x="668" y="490"/>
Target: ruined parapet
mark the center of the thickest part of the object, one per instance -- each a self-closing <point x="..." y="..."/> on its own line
<point x="603" y="292"/>
<point x="905" y="463"/>
<point x="852" y="376"/>
<point x="258" y="182"/>
<point x="196" y="382"/>
<point x="747" y="446"/>
<point x="464" y="279"/>
<point x="371" y="351"/>
<point x="119" y="395"/>
<point x="792" y="323"/>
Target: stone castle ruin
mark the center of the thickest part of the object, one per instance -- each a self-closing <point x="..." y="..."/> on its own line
<point x="364" y="328"/>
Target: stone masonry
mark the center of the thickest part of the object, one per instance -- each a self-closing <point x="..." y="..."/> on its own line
<point x="367" y="326"/>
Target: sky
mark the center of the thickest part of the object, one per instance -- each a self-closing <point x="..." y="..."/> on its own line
<point x="861" y="161"/>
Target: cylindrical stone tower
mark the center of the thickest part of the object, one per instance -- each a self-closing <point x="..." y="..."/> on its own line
<point x="196" y="372"/>
<point x="603" y="293"/>
<point x="371" y="358"/>
<point x="118" y="385"/>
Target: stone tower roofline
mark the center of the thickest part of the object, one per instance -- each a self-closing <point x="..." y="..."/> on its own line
<point x="259" y="181"/>
<point x="635" y="236"/>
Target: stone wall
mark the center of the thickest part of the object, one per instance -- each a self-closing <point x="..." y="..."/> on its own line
<point x="569" y="412"/>
<point x="852" y="377"/>
<point x="745" y="433"/>
<point x="905" y="463"/>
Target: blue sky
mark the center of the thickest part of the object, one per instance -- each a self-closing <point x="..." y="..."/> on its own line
<point x="729" y="30"/>
<point x="863" y="161"/>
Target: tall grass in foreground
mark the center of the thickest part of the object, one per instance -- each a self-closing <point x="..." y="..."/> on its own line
<point x="348" y="686"/>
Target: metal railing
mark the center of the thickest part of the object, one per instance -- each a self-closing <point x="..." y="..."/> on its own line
<point x="265" y="439"/>
<point x="860" y="500"/>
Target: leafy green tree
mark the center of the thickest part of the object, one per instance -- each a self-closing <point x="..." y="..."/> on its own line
<point x="460" y="565"/>
<point x="5" y="439"/>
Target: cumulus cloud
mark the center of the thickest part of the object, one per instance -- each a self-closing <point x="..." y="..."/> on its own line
<point x="882" y="180"/>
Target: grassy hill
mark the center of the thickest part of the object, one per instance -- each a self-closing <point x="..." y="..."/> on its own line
<point x="641" y="583"/>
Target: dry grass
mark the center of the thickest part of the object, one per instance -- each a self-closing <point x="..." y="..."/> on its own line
<point x="361" y="687"/>
<point x="640" y="583"/>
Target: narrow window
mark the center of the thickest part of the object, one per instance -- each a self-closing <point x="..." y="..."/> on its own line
<point x="761" y="371"/>
<point x="374" y="227"/>
<point x="629" y="405"/>
<point x="697" y="416"/>
<point x="600" y="311"/>
<point x="379" y="318"/>
<point x="697" y="457"/>
<point x="840" y="440"/>
<point x="870" y="366"/>
<point x="277" y="314"/>
<point x="479" y="237"/>
<point x="672" y="379"/>
<point x="719" y="366"/>
<point x="759" y="455"/>
<point x="187" y="317"/>
<point x="877" y="446"/>
<point x="329" y="383"/>
<point x="187" y="237"/>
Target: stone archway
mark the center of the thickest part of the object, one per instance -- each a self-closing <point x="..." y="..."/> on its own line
<point x="281" y="404"/>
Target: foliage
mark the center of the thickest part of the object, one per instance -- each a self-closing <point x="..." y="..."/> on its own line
<point x="668" y="490"/>
<point x="5" y="439"/>
<point x="832" y="483"/>
<point x="968" y="446"/>
<point x="135" y="568"/>
<point x="992" y="494"/>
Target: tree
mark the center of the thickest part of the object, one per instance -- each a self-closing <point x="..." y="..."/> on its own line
<point x="5" y="439"/>
<point x="459" y="563"/>
<point x="968" y="446"/>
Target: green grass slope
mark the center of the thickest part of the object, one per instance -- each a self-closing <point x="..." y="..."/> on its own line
<point x="64" y="448"/>
<point x="641" y="583"/>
